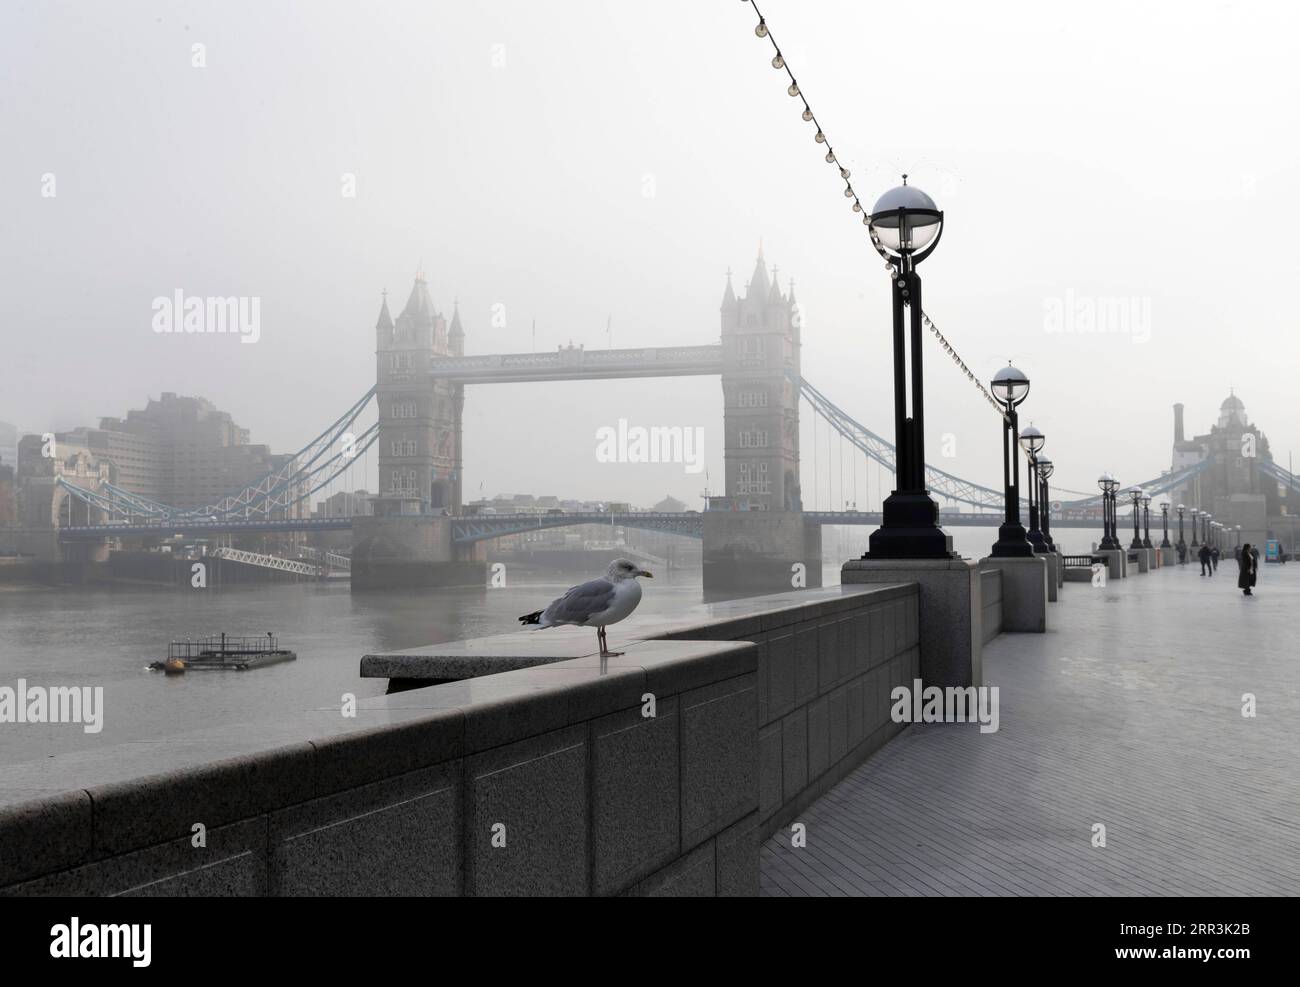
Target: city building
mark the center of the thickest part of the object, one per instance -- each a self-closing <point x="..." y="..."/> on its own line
<point x="8" y="495"/>
<point x="179" y="451"/>
<point x="345" y="504"/>
<point x="8" y="445"/>
<point x="1235" y="485"/>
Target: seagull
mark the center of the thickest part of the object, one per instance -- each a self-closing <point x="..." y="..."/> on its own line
<point x="596" y="603"/>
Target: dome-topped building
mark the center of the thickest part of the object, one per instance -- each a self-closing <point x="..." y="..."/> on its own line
<point x="1232" y="412"/>
<point x="1235" y="478"/>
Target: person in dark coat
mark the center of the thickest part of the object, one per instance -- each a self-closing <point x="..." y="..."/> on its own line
<point x="1204" y="556"/>
<point x="1247" y="567"/>
<point x="1214" y="558"/>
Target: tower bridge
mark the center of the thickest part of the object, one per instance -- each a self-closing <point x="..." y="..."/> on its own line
<point x="419" y="532"/>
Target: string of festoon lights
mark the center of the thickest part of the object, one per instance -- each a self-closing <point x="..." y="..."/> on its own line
<point x="779" y="62"/>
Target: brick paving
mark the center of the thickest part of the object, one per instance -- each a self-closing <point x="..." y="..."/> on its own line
<point x="1126" y="713"/>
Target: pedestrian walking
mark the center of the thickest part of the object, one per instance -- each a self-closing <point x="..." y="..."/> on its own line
<point x="1204" y="556"/>
<point x="1214" y="557"/>
<point x="1247" y="569"/>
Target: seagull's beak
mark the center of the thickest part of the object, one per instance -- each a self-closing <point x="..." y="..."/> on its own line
<point x="647" y="573"/>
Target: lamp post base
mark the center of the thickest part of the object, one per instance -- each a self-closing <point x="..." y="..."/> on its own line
<point x="1012" y="543"/>
<point x="909" y="530"/>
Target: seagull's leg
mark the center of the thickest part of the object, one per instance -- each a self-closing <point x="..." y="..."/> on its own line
<point x="604" y="645"/>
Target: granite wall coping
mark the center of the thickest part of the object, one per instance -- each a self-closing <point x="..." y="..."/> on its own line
<point x="730" y="620"/>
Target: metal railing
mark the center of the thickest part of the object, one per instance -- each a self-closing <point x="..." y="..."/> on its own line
<point x="268" y="561"/>
<point x="222" y="645"/>
<point x="1081" y="560"/>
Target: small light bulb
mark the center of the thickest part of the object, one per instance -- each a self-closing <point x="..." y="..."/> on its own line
<point x="830" y="156"/>
<point x="857" y="207"/>
<point x="848" y="193"/>
<point x="844" y="173"/>
<point x="778" y="62"/>
<point x="807" y="113"/>
<point x="761" y="30"/>
<point x="794" y="89"/>
<point x="821" y="138"/>
<point x="866" y="221"/>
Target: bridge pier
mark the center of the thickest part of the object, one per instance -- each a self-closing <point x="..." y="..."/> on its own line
<point x="760" y="552"/>
<point x="411" y="550"/>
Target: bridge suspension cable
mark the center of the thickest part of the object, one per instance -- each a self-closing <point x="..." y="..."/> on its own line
<point x="881" y="451"/>
<point x="308" y="471"/>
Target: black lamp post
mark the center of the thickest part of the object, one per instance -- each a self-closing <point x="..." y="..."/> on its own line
<point x="1146" y="520"/>
<point x="906" y="225"/>
<point x="1164" y="521"/>
<point x="1107" y="483"/>
<point x="1181" y="544"/>
<point x="1031" y="441"/>
<point x="1196" y="514"/>
<point x="1011" y="387"/>
<point x="1045" y="470"/>
<point x="1136" y="494"/>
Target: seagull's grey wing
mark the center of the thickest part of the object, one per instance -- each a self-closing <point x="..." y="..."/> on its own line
<point x="580" y="603"/>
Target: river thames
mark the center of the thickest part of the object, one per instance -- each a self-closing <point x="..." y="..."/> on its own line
<point x="106" y="637"/>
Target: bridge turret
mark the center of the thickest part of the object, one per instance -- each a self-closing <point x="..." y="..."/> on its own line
<point x="761" y="397"/>
<point x="758" y="284"/>
<point x="384" y="324"/>
<point x="456" y="335"/>
<point x="419" y="416"/>
<point x="729" y="302"/>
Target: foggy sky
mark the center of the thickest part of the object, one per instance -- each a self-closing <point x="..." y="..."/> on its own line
<point x="1112" y="150"/>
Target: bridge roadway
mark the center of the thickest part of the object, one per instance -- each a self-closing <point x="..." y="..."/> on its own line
<point x="1126" y="713"/>
<point x="466" y="530"/>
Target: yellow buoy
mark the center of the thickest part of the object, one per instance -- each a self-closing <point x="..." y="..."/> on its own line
<point x="173" y="666"/>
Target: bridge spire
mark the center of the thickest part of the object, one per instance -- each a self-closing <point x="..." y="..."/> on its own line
<point x="418" y="311"/>
<point x="758" y="282"/>
<point x="385" y="321"/>
<point x="728" y="296"/>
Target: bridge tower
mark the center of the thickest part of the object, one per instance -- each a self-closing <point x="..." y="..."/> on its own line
<point x="762" y="541"/>
<point x="419" y="418"/>
<point x="760" y="394"/>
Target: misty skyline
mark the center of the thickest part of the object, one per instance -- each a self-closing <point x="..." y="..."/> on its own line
<point x="595" y="163"/>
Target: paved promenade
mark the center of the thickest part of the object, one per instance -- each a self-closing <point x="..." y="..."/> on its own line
<point x="1126" y="713"/>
